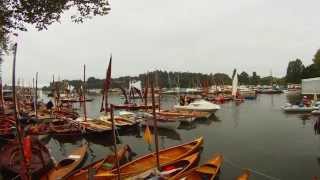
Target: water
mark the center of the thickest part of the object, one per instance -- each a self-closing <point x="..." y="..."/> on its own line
<point x="255" y="134"/>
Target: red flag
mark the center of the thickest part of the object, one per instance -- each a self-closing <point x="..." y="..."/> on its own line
<point x="108" y="76"/>
<point x="27" y="151"/>
<point x="107" y="83"/>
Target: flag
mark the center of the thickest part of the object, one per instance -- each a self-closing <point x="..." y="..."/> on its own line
<point x="27" y="151"/>
<point x="108" y="76"/>
<point x="106" y="86"/>
<point x="147" y="136"/>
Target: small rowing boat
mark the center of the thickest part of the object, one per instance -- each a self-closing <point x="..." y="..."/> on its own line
<point x="66" y="166"/>
<point x="148" y="161"/>
<point x="208" y="170"/>
<point x="10" y="159"/>
<point x="107" y="163"/>
<point x="244" y="175"/>
<point x="170" y="170"/>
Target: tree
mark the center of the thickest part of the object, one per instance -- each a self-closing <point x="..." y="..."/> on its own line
<point x="16" y="14"/>
<point x="254" y="79"/>
<point x="244" y="78"/>
<point x="294" y="71"/>
<point x="316" y="58"/>
<point x="311" y="71"/>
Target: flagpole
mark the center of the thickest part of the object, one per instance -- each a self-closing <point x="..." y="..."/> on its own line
<point x="84" y="93"/>
<point x="115" y="141"/>
<point x="24" y="173"/>
<point x="36" y="98"/>
<point x="155" y="125"/>
<point x="146" y="85"/>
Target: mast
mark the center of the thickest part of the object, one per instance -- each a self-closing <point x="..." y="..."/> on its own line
<point x="107" y="85"/>
<point x="115" y="141"/>
<point x="36" y="96"/>
<point x="146" y="86"/>
<point x="84" y="93"/>
<point x="1" y="88"/>
<point x="24" y="172"/>
<point x="155" y="126"/>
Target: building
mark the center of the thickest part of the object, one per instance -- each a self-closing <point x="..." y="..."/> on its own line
<point x="310" y="86"/>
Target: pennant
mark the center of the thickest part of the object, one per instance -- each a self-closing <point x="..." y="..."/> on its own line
<point x="147" y="136"/>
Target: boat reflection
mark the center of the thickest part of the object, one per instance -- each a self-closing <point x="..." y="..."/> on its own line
<point x="200" y="121"/>
<point x="316" y="126"/>
<point x="166" y="133"/>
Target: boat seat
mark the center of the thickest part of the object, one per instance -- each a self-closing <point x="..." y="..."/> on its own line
<point x="207" y="169"/>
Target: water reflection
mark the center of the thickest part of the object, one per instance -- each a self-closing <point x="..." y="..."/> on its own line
<point x="166" y="133"/>
<point x="316" y="126"/>
<point x="199" y="121"/>
<point x="304" y="118"/>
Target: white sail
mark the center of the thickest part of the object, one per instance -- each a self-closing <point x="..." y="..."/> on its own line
<point x="235" y="84"/>
<point x="136" y="85"/>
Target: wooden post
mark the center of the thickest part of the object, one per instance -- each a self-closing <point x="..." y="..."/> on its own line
<point x="84" y="93"/>
<point x="115" y="141"/>
<point x="36" y="96"/>
<point x="24" y="172"/>
<point x="159" y="103"/>
<point x="155" y="130"/>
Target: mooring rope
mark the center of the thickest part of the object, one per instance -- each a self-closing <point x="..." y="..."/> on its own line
<point x="251" y="170"/>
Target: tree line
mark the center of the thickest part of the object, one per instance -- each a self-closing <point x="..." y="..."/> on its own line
<point x="296" y="70"/>
<point x="168" y="79"/>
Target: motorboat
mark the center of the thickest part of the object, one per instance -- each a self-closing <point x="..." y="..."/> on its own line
<point x="199" y="106"/>
<point x="298" y="109"/>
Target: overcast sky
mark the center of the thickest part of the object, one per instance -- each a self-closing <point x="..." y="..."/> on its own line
<point x="179" y="35"/>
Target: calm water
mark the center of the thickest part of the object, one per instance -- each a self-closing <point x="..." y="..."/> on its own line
<point x="255" y="134"/>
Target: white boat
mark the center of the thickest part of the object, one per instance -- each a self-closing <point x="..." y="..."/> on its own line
<point x="199" y="106"/>
<point x="297" y="109"/>
<point x="315" y="112"/>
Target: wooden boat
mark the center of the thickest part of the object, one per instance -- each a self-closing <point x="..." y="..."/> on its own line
<point x="133" y="106"/>
<point x="166" y="123"/>
<point x="65" y="128"/>
<point x="95" y="126"/>
<point x="148" y="161"/>
<point x="10" y="159"/>
<point x="119" y="121"/>
<point x="244" y="175"/>
<point x="170" y="170"/>
<point x="107" y="163"/>
<point x="208" y="170"/>
<point x="66" y="166"/>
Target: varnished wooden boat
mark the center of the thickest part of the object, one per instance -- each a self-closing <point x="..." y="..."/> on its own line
<point x="244" y="175"/>
<point x="148" y="161"/>
<point x="10" y="159"/>
<point x="107" y="163"/>
<point x="66" y="166"/>
<point x="65" y="128"/>
<point x="170" y="170"/>
<point x="133" y="106"/>
<point x="96" y="126"/>
<point x="208" y="170"/>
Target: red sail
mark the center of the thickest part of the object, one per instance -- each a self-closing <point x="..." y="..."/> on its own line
<point x="107" y="84"/>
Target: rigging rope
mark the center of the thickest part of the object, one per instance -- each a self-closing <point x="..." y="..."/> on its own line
<point x="252" y="170"/>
